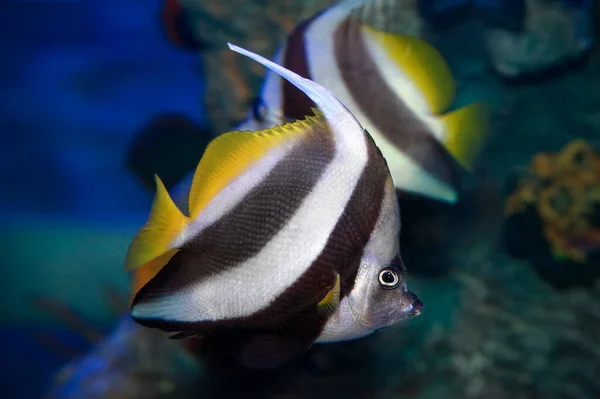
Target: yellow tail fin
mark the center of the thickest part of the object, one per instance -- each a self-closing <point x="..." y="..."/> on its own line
<point x="423" y="64"/>
<point x="164" y="224"/>
<point x="465" y="131"/>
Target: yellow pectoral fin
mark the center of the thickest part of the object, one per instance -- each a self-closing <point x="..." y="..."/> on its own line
<point x="465" y="131"/>
<point x="422" y="63"/>
<point x="331" y="300"/>
<point x="164" y="224"/>
<point x="230" y="154"/>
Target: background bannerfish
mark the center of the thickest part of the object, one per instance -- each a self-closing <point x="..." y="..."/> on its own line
<point x="398" y="86"/>
<point x="291" y="237"/>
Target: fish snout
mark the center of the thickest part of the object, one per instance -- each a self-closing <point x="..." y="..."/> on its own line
<point x="415" y="307"/>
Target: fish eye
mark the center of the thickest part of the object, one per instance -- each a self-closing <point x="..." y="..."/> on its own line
<point x="389" y="279"/>
<point x="259" y="110"/>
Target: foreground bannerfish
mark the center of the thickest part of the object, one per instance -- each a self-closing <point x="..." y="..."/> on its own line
<point x="398" y="87"/>
<point x="292" y="236"/>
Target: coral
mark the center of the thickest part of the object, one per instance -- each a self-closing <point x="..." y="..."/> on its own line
<point x="564" y="189"/>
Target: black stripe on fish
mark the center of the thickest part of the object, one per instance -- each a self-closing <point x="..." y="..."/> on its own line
<point x="385" y="109"/>
<point x="250" y="225"/>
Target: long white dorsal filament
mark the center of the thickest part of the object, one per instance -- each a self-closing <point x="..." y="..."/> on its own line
<point x="334" y="110"/>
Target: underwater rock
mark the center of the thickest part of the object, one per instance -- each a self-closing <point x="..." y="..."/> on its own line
<point x="516" y="338"/>
<point x="395" y="16"/>
<point x="554" y="33"/>
<point x="131" y="363"/>
<point x="553" y="215"/>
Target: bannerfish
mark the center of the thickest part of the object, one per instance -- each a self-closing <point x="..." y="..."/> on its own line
<point x="291" y="237"/>
<point x="399" y="87"/>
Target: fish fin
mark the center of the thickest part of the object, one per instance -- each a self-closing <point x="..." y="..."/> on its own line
<point x="324" y="99"/>
<point x="465" y="130"/>
<point x="423" y="64"/>
<point x="146" y="272"/>
<point x="227" y="156"/>
<point x="269" y="351"/>
<point x="164" y="224"/>
<point x="330" y="302"/>
<point x="184" y="335"/>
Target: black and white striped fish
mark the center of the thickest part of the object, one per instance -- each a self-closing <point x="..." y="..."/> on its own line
<point x="291" y="236"/>
<point x="397" y="86"/>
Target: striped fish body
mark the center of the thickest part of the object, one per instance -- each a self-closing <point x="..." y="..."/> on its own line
<point x="397" y="86"/>
<point x="291" y="237"/>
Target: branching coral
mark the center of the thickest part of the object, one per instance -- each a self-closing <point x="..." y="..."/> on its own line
<point x="564" y="189"/>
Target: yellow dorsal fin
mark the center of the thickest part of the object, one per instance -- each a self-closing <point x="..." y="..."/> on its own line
<point x="318" y="113"/>
<point x="330" y="302"/>
<point x="164" y="224"/>
<point x="422" y="63"/>
<point x="230" y="154"/>
<point x="465" y="131"/>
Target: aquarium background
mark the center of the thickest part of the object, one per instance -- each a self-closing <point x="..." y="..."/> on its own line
<point x="79" y="80"/>
<point x="82" y="83"/>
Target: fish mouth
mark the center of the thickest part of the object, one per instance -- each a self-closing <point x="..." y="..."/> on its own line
<point x="415" y="308"/>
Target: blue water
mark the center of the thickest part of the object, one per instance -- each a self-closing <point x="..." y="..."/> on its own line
<point x="77" y="80"/>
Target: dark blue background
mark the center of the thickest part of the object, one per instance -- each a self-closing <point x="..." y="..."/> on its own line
<point x="77" y="80"/>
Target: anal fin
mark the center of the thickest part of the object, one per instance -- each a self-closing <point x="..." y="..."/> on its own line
<point x="465" y="131"/>
<point x="184" y="334"/>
